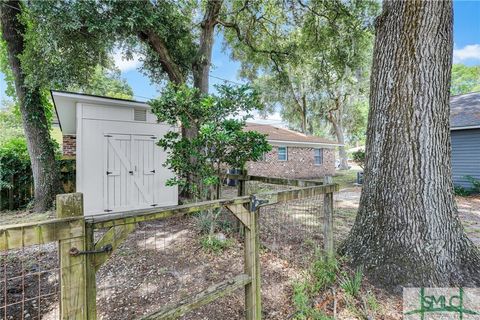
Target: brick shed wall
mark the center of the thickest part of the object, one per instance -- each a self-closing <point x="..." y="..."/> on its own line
<point x="300" y="164"/>
<point x="69" y="145"/>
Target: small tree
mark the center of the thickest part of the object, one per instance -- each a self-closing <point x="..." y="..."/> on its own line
<point x="359" y="158"/>
<point x="221" y="143"/>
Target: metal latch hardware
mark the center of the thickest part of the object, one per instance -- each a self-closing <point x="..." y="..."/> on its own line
<point x="109" y="172"/>
<point x="152" y="171"/>
<point x="255" y="203"/>
<point x="106" y="248"/>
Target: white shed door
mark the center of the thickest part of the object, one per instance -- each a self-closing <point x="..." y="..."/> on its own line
<point x="129" y="172"/>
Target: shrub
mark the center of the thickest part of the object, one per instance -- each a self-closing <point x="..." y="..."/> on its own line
<point x="475" y="184"/>
<point x="15" y="171"/>
<point x="461" y="191"/>
<point x="359" y="158"/>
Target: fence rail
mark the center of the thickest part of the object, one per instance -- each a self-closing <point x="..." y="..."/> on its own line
<point x="81" y="255"/>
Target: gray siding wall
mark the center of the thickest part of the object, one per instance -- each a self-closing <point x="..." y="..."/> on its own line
<point x="465" y="156"/>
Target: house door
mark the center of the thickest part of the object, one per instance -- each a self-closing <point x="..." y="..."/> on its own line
<point x="129" y="172"/>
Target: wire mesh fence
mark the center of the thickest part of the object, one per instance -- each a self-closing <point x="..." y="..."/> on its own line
<point x="293" y="230"/>
<point x="162" y="262"/>
<point x="29" y="283"/>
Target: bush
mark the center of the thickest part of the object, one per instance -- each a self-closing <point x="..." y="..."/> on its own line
<point x="14" y="161"/>
<point x="359" y="158"/>
<point x="15" y="171"/>
<point x="461" y="191"/>
<point x="475" y="183"/>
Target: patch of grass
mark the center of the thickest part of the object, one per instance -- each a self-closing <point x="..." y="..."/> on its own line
<point x="324" y="273"/>
<point x="345" y="178"/>
<point x="303" y="307"/>
<point x="207" y="222"/>
<point x="352" y="285"/>
<point x="211" y="243"/>
<point x="372" y="302"/>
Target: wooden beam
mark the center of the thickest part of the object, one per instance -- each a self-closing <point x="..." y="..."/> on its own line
<point x="90" y="275"/>
<point x="289" y="195"/>
<point x="27" y="234"/>
<point x="328" y="244"/>
<point x="115" y="236"/>
<point x="73" y="286"/>
<point x="253" y="307"/>
<point x="135" y="216"/>
<point x="202" y="298"/>
<point x="241" y="213"/>
<point x="271" y="180"/>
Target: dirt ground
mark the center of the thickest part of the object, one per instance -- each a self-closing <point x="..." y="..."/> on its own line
<point x="163" y="262"/>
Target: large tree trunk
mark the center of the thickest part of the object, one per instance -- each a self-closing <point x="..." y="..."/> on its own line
<point x="337" y="124"/>
<point x="201" y="65"/>
<point x="40" y="147"/>
<point x="407" y="231"/>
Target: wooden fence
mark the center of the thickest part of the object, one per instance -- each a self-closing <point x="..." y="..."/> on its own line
<point x="80" y="256"/>
<point x="20" y="192"/>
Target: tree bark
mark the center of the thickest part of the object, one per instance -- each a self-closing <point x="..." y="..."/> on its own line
<point x="407" y="231"/>
<point x="201" y="65"/>
<point x="337" y="125"/>
<point x="40" y="146"/>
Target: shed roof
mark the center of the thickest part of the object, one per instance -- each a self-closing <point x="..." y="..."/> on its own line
<point x="65" y="107"/>
<point x="279" y="135"/>
<point x="465" y="111"/>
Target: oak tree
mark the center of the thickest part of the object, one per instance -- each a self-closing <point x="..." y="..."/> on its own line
<point x="407" y="230"/>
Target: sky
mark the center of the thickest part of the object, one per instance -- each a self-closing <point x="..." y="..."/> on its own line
<point x="466" y="30"/>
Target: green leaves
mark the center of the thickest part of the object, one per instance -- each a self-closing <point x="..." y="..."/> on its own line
<point x="465" y="79"/>
<point x="220" y="141"/>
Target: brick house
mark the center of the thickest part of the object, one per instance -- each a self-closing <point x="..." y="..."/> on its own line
<point x="294" y="154"/>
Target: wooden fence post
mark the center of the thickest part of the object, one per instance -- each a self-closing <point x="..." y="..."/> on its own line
<point x="75" y="283"/>
<point x="328" y="244"/>
<point x="242" y="185"/>
<point x="253" y="301"/>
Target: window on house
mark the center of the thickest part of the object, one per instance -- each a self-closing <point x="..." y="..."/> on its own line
<point x="318" y="156"/>
<point x="282" y="153"/>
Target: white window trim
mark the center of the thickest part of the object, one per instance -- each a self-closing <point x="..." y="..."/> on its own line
<point x="315" y="157"/>
<point x="286" y="153"/>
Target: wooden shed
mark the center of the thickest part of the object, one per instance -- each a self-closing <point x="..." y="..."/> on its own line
<point x="118" y="164"/>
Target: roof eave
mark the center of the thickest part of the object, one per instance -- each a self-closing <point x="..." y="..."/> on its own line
<point x="465" y="128"/>
<point x="305" y="143"/>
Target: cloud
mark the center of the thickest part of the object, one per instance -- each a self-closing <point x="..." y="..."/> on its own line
<point x="126" y="65"/>
<point x="469" y="52"/>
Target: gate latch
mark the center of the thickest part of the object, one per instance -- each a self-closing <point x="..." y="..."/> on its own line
<point x="255" y="203"/>
<point x="106" y="248"/>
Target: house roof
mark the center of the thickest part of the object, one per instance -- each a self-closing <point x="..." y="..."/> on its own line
<point x="465" y="111"/>
<point x="277" y="136"/>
